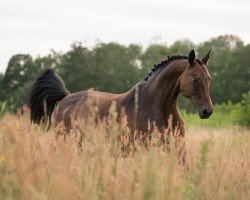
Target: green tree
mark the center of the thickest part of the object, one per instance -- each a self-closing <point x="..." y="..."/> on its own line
<point x="239" y="73"/>
<point x="108" y="67"/>
<point x="226" y="67"/>
<point x="2" y="89"/>
<point x="116" y="66"/>
<point x="76" y="68"/>
<point x="19" y="73"/>
<point x="20" y="70"/>
<point x="243" y="112"/>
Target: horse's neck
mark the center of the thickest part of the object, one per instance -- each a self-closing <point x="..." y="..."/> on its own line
<point x="155" y="99"/>
<point x="164" y="88"/>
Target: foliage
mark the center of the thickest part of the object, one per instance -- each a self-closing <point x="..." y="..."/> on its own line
<point x="229" y="68"/>
<point x="108" y="67"/>
<point x="116" y="68"/>
<point x="2" y="108"/>
<point x="242" y="114"/>
<point x="19" y="70"/>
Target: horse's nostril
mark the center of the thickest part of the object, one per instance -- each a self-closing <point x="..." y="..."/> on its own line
<point x="206" y="112"/>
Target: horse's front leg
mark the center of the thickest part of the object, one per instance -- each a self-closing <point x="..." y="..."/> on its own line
<point x="181" y="152"/>
<point x="180" y="137"/>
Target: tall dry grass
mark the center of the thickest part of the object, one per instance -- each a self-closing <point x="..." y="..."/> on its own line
<point x="35" y="165"/>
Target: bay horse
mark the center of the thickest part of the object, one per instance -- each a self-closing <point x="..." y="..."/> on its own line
<point x="151" y="101"/>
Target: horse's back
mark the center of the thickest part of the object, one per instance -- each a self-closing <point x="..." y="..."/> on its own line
<point x="78" y="105"/>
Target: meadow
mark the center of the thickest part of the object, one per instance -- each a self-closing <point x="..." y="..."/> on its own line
<point x="36" y="165"/>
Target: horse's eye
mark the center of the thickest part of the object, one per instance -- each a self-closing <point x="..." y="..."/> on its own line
<point x="195" y="80"/>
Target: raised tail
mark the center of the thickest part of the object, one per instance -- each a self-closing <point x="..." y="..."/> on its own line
<point x="47" y="90"/>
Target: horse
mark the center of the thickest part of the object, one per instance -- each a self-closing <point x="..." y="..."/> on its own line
<point x="151" y="101"/>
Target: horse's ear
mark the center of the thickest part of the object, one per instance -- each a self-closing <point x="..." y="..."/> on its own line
<point x="206" y="57"/>
<point x="191" y="57"/>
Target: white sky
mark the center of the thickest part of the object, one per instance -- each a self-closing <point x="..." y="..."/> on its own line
<point x="36" y="26"/>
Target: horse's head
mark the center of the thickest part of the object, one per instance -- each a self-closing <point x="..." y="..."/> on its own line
<point x="194" y="84"/>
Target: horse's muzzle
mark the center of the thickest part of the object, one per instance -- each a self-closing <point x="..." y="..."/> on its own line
<point x="205" y="113"/>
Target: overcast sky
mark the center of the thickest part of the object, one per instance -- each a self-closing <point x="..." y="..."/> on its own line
<point x="36" y="26"/>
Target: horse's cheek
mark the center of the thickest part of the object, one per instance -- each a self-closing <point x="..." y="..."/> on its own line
<point x="184" y="88"/>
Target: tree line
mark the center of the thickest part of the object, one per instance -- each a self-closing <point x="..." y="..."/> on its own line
<point x="115" y="68"/>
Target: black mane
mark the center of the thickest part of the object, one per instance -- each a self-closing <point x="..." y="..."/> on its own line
<point x="164" y="63"/>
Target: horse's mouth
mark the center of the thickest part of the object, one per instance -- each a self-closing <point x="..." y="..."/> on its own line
<point x="203" y="116"/>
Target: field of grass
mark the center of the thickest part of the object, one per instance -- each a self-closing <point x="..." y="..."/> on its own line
<point x="35" y="165"/>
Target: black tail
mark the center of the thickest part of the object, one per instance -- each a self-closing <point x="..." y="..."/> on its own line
<point x="47" y="90"/>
